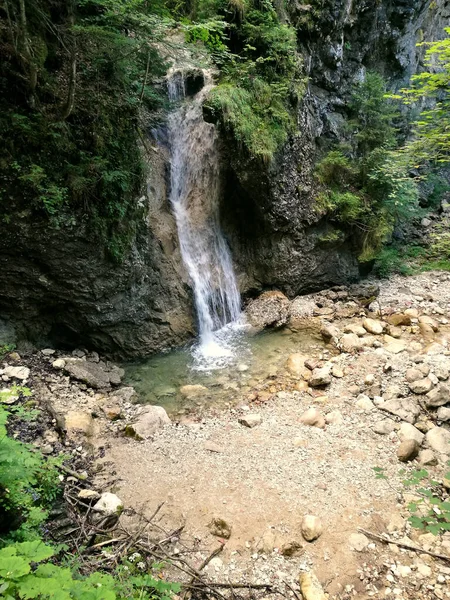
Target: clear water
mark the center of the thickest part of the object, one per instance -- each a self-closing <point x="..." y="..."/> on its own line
<point x="195" y="193"/>
<point x="255" y="359"/>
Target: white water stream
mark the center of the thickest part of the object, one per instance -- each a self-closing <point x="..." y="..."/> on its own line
<point x="195" y="194"/>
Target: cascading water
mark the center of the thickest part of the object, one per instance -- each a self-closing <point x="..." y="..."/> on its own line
<point x="194" y="196"/>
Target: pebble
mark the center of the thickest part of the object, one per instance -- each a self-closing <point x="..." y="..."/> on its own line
<point x="408" y="450"/>
<point x="311" y="527"/>
<point x="251" y="420"/>
<point x="313" y="418"/>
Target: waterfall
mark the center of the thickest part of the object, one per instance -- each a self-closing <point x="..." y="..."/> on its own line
<point x="194" y="196"/>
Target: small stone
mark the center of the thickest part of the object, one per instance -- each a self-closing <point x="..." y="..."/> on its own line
<point x="334" y="417"/>
<point x="21" y="373"/>
<point x="59" y="363"/>
<point x="358" y="542"/>
<point x="212" y="447"/>
<point x="88" y="495"/>
<point x="373" y="326"/>
<point x="311" y="528"/>
<point x="310" y="587"/>
<point x="112" y="412"/>
<point x="364" y="402"/>
<point x="350" y="343"/>
<point x="47" y="449"/>
<point x="409" y="432"/>
<point x="438" y="439"/>
<point x="78" y="421"/>
<point x="399" y="319"/>
<point x="337" y="372"/>
<point x="421" y="386"/>
<point x="291" y="549"/>
<point x="408" y="450"/>
<point x="384" y="427"/>
<point x="313" y="418"/>
<point x="220" y="528"/>
<point x="369" y="379"/>
<point x="109" y="505"/>
<point x="48" y="351"/>
<point x="438" y="396"/>
<point x="242" y="368"/>
<point x="427" y="458"/>
<point x="321" y="377"/>
<point x="413" y="375"/>
<point x="425" y="319"/>
<point x="443" y="413"/>
<point x="250" y="420"/>
<point x="193" y="391"/>
<point x="148" y="422"/>
<point x="396" y="346"/>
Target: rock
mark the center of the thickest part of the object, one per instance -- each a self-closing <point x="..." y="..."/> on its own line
<point x="47" y="449"/>
<point x="408" y="450"/>
<point x="438" y="439"/>
<point x="313" y="418"/>
<point x="193" y="391"/>
<point x="310" y="587"/>
<point x="220" y="528"/>
<point x="291" y="549"/>
<point x="364" y="402"/>
<point x="399" y="319"/>
<point x="358" y="542"/>
<point x="373" y="326"/>
<point x="395" y="332"/>
<point x="112" y="411"/>
<point x="337" y="372"/>
<point x="251" y="420"/>
<point x="427" y="458"/>
<point x="425" y="319"/>
<point x="148" y="422"/>
<point x="270" y="309"/>
<point x="123" y="394"/>
<point x="438" y="396"/>
<point x="443" y="413"/>
<point x="212" y="447"/>
<point x="90" y="495"/>
<point x="311" y="528"/>
<point x="364" y="293"/>
<point x="78" y="421"/>
<point x="425" y="222"/>
<point x="421" y="386"/>
<point x="442" y="372"/>
<point x="413" y="374"/>
<point x="334" y="417"/>
<point x="59" y="363"/>
<point x="356" y="329"/>
<point x="329" y="332"/>
<point x="321" y="377"/>
<point x="296" y="364"/>
<point x="384" y="427"/>
<point x="48" y="351"/>
<point x="395" y="347"/>
<point x="109" y="505"/>
<point x="369" y="379"/>
<point x="350" y="343"/>
<point x="96" y="375"/>
<point x="21" y="373"/>
<point x="409" y="432"/>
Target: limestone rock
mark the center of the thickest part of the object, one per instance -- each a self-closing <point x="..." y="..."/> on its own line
<point x="291" y="549"/>
<point x="212" y="447"/>
<point x="321" y="377"/>
<point x="148" y="422"/>
<point x="443" y="413"/>
<point x="311" y="528"/>
<point x="421" y="386"/>
<point x="89" y="495"/>
<point x="328" y="332"/>
<point x="384" y="427"/>
<point x="112" y="411"/>
<point x="358" y="541"/>
<point x="356" y="329"/>
<point x="409" y="432"/>
<point x="296" y="364"/>
<point x="413" y="374"/>
<point x="427" y="458"/>
<point x="59" y="363"/>
<point x="334" y="417"/>
<point x="313" y="418"/>
<point x="97" y="375"/>
<point x="78" y="421"/>
<point x="270" y="309"/>
<point x="438" y="396"/>
<point x="438" y="439"/>
<point x="220" y="528"/>
<point x="310" y="587"/>
<point x="193" y="391"/>
<point x="373" y="326"/>
<point x="123" y="394"/>
<point x="251" y="420"/>
<point x="337" y="372"/>
<point x="425" y="319"/>
<point x="364" y="402"/>
<point x="350" y="343"/>
<point x="399" y="319"/>
<point x="21" y="373"/>
<point x="405" y="408"/>
<point x="396" y="346"/>
<point x="408" y="450"/>
<point x="109" y="505"/>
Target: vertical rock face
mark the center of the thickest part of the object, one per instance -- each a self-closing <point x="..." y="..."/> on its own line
<point x="277" y="238"/>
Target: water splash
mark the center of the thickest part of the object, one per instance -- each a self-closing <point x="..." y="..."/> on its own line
<point x="195" y="193"/>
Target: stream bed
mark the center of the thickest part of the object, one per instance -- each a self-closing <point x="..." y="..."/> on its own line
<point x="255" y="358"/>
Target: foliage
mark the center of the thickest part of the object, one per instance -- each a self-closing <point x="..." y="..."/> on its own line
<point x="260" y="80"/>
<point x="74" y="79"/>
<point x="365" y="184"/>
<point x="26" y="573"/>
<point x="6" y="349"/>
<point x="28" y="482"/>
<point x="430" y="144"/>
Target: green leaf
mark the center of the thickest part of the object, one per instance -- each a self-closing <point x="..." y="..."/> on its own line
<point x="13" y="567"/>
<point x="35" y="551"/>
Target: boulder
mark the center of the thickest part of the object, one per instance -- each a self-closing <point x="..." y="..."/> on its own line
<point x="270" y="309"/>
<point x="148" y="422"/>
<point x="409" y="432"/>
<point x="311" y="528"/>
<point x="438" y="396"/>
<point x="438" y="439"/>
<point x="408" y="450"/>
<point x="96" y="375"/>
<point x="313" y="418"/>
<point x="251" y="420"/>
<point x="373" y="326"/>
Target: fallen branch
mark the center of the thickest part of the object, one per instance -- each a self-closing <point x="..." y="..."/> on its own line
<point x="387" y="540"/>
